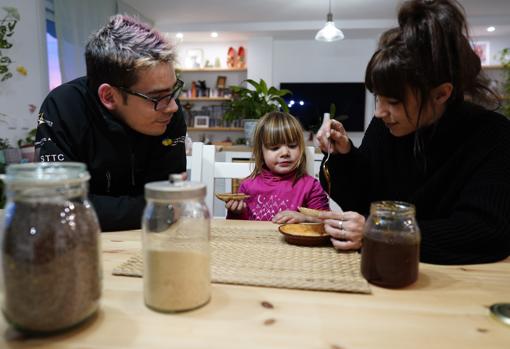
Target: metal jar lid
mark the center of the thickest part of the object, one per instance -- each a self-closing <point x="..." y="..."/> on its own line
<point x="174" y="189"/>
<point x="46" y="174"/>
<point x="501" y="312"/>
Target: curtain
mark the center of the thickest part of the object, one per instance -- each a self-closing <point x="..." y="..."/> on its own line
<point x="75" y="20"/>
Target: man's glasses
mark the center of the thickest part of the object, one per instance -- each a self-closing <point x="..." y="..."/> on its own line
<point x="161" y="102"/>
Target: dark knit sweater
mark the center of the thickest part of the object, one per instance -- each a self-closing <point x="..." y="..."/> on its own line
<point x="459" y="182"/>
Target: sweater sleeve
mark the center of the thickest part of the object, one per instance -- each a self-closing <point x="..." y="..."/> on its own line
<point x="350" y="174"/>
<point x="55" y="139"/>
<point x="478" y="229"/>
<point x="317" y="198"/>
<point x="118" y="213"/>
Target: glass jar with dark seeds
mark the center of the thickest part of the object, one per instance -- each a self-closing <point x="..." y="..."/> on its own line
<point x="50" y="249"/>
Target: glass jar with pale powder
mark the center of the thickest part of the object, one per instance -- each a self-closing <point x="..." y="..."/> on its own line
<point x="176" y="251"/>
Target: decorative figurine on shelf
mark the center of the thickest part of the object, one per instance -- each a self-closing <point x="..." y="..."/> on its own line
<point x="202" y="89"/>
<point x="231" y="58"/>
<point x="193" y="89"/>
<point x="241" y="58"/>
<point x="221" y="82"/>
<point x="189" y="116"/>
<point x="217" y="62"/>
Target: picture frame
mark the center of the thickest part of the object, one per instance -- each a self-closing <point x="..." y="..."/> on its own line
<point x="201" y="121"/>
<point x="482" y="49"/>
<point x="221" y="82"/>
<point x="194" y="58"/>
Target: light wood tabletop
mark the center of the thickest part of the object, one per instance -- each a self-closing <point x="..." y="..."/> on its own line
<point x="446" y="308"/>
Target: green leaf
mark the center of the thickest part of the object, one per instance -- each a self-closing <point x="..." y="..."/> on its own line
<point x="12" y="12"/>
<point x="6" y="76"/>
<point x="253" y="83"/>
<point x="283" y="105"/>
<point x="263" y="87"/>
<point x="332" y="110"/>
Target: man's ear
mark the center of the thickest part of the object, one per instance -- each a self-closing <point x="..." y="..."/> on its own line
<point x="442" y="93"/>
<point x="109" y="96"/>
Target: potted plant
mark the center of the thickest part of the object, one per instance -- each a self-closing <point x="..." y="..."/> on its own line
<point x="26" y="145"/>
<point x="250" y="104"/>
<point x="7" y="25"/>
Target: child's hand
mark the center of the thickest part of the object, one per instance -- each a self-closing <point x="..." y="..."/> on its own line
<point x="289" y="217"/>
<point x="235" y="206"/>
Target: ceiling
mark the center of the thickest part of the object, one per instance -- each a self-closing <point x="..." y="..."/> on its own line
<point x="298" y="19"/>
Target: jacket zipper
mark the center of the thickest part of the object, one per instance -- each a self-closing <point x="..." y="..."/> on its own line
<point x="108" y="181"/>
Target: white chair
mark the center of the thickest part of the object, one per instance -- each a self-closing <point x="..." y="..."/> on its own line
<point x="212" y="169"/>
<point x="310" y="160"/>
<point x="194" y="162"/>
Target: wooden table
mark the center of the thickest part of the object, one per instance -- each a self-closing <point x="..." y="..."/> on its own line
<point x="446" y="308"/>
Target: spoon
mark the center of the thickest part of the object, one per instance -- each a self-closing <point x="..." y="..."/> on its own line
<point x="325" y="169"/>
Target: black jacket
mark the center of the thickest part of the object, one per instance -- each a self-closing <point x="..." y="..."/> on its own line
<point x="459" y="182"/>
<point x="74" y="126"/>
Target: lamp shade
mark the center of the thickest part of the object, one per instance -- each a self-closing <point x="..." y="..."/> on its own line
<point x="329" y="33"/>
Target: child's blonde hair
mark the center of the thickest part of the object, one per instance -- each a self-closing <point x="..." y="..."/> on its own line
<point x="276" y="128"/>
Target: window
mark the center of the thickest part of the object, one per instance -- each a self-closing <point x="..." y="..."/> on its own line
<point x="55" y="77"/>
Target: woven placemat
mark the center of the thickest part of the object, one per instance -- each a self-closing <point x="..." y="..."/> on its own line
<point x="260" y="257"/>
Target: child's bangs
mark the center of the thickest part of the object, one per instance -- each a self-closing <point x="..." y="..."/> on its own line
<point x="280" y="132"/>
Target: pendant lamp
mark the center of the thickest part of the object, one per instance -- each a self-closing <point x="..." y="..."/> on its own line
<point x="329" y="32"/>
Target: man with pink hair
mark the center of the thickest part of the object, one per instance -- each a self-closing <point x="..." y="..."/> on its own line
<point x="122" y="119"/>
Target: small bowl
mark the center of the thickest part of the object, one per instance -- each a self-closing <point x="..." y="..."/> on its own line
<point x="305" y="234"/>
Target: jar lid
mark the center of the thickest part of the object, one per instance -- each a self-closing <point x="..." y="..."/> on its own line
<point x="501" y="312"/>
<point x="174" y="189"/>
<point x="46" y="173"/>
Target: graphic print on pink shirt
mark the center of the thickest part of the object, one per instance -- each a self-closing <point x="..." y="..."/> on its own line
<point x="270" y="194"/>
<point x="266" y="206"/>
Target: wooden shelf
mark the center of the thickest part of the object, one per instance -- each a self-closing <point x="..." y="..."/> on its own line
<point x="206" y="99"/>
<point x="204" y="70"/>
<point x="217" y="129"/>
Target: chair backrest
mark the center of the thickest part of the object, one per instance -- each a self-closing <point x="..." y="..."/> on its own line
<point x="194" y="161"/>
<point x="212" y="169"/>
<point x="310" y="160"/>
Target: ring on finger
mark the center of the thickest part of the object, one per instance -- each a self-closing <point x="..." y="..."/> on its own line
<point x="341" y="224"/>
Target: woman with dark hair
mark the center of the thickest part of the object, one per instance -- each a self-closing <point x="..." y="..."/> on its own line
<point x="427" y="144"/>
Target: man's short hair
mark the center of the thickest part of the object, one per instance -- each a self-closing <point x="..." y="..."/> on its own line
<point x="116" y="52"/>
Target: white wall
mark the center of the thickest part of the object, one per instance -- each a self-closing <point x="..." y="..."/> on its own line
<point x="29" y="51"/>
<point x="313" y="61"/>
<point x="496" y="45"/>
<point x="260" y="59"/>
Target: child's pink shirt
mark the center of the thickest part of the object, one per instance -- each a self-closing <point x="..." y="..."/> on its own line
<point x="270" y="194"/>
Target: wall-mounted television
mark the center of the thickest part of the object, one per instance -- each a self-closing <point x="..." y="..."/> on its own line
<point x="309" y="101"/>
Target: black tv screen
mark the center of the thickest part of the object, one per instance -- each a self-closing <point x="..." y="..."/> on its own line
<point x="309" y="102"/>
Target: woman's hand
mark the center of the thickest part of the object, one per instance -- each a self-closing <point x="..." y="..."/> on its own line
<point x="333" y="133"/>
<point x="345" y="229"/>
<point x="235" y="206"/>
<point x="290" y="217"/>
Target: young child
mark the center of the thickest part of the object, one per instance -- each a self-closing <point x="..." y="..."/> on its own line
<point x="279" y="183"/>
